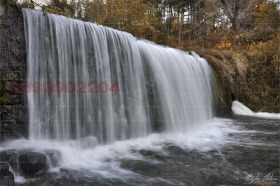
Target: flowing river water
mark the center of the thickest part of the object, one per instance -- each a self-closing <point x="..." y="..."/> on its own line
<point x="144" y="116"/>
<point x="223" y="151"/>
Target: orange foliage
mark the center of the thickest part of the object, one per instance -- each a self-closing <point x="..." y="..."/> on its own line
<point x="224" y="45"/>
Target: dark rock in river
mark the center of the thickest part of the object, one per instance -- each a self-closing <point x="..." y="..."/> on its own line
<point x="151" y="154"/>
<point x="10" y="157"/>
<point x="6" y="177"/>
<point x="141" y="166"/>
<point x="32" y="163"/>
<point x="29" y="163"/>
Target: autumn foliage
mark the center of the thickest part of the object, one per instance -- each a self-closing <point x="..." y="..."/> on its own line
<point x="239" y="38"/>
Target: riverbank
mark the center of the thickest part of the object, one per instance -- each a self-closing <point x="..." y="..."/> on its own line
<point x="251" y="77"/>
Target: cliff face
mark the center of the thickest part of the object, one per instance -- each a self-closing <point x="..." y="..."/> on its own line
<point x="13" y="110"/>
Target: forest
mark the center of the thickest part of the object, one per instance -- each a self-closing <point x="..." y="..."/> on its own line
<point x="239" y="38"/>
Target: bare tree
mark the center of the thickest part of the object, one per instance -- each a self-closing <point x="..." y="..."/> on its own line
<point x="236" y="11"/>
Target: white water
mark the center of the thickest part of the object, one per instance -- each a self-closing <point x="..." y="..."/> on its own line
<point x="241" y="109"/>
<point x="161" y="89"/>
<point x="103" y="160"/>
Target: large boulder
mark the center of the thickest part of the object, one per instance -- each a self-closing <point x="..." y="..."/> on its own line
<point x="6" y="177"/>
<point x="10" y="156"/>
<point x="28" y="162"/>
<point x="32" y="163"/>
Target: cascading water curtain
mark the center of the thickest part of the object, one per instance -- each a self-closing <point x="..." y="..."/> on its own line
<point x="89" y="80"/>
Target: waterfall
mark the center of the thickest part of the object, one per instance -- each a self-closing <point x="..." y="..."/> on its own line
<point x="88" y="80"/>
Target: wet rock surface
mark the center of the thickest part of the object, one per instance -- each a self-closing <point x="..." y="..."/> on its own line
<point x="10" y="157"/>
<point x="13" y="113"/>
<point x="6" y="177"/>
<point x="27" y="162"/>
<point x="32" y="163"/>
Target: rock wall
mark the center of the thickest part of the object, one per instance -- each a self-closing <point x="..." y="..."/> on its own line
<point x="13" y="110"/>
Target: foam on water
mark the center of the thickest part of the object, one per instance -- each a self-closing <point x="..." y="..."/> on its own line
<point x="241" y="109"/>
<point x="103" y="160"/>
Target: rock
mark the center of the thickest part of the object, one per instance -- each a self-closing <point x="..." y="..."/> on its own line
<point x="14" y="99"/>
<point x="12" y="69"/>
<point x="29" y="163"/>
<point x="4" y="167"/>
<point x="141" y="167"/>
<point x="6" y="177"/>
<point x="32" y="163"/>
<point x="10" y="156"/>
<point x="151" y="154"/>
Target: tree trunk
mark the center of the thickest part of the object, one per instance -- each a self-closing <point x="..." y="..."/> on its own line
<point x="235" y="36"/>
<point x="181" y="25"/>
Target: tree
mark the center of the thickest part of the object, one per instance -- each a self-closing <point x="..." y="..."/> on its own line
<point x="133" y="16"/>
<point x="237" y="11"/>
<point x="267" y="20"/>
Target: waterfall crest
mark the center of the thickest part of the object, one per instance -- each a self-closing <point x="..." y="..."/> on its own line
<point x="160" y="88"/>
